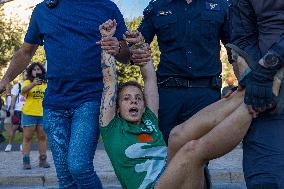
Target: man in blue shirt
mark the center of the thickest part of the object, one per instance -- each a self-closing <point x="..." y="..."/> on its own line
<point x="69" y="32"/>
<point x="189" y="34"/>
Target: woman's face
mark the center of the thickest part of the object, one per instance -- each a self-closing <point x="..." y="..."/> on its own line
<point x="131" y="104"/>
<point x="25" y="75"/>
<point x="36" y="70"/>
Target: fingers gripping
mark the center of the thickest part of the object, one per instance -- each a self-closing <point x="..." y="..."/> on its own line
<point x="108" y="28"/>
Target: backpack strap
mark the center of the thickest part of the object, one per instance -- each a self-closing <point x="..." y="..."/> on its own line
<point x="19" y="91"/>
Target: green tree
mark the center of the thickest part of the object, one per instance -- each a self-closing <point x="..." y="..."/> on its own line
<point x="10" y="39"/>
<point x="39" y="55"/>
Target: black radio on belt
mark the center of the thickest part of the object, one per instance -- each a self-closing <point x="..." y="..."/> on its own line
<point x="51" y="3"/>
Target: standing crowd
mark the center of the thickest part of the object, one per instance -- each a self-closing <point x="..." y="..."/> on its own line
<point x="24" y="107"/>
<point x="160" y="133"/>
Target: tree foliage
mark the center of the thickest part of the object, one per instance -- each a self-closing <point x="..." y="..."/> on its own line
<point x="10" y="39"/>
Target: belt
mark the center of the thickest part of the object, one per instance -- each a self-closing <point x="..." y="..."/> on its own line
<point x="212" y="82"/>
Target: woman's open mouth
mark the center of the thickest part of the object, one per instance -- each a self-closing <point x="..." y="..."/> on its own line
<point x="133" y="111"/>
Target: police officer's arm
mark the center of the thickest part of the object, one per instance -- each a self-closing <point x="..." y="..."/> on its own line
<point x="118" y="49"/>
<point x="150" y="87"/>
<point x="18" y="64"/>
<point x="146" y="28"/>
<point x="258" y="94"/>
<point x="277" y="50"/>
<point x="244" y="31"/>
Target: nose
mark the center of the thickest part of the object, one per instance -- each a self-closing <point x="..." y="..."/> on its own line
<point x="134" y="101"/>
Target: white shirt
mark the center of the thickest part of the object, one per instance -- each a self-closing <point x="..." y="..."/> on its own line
<point x="20" y="100"/>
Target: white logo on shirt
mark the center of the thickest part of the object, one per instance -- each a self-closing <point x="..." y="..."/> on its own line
<point x="152" y="166"/>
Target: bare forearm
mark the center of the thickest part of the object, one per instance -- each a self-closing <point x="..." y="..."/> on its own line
<point x="150" y="86"/>
<point x="28" y="87"/>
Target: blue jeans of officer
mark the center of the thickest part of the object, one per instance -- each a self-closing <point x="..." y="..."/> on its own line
<point x="72" y="137"/>
<point x="263" y="149"/>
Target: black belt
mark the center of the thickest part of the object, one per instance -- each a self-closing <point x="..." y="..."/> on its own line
<point x="212" y="82"/>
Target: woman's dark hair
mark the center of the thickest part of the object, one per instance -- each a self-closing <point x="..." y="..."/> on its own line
<point x="30" y="70"/>
<point x="127" y="84"/>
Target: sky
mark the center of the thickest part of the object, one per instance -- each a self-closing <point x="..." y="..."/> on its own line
<point x="131" y="8"/>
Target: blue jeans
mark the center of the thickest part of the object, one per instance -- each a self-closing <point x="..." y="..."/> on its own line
<point x="72" y="136"/>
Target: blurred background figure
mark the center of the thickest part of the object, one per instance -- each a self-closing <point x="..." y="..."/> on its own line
<point x="2" y="118"/>
<point x="15" y="109"/>
<point x="8" y="101"/>
<point x="230" y="81"/>
<point x="33" y="89"/>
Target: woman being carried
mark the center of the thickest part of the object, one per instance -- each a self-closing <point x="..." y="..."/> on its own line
<point x="129" y="127"/>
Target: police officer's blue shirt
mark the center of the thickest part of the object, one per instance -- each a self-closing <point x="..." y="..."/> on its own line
<point x="188" y="35"/>
<point x="69" y="34"/>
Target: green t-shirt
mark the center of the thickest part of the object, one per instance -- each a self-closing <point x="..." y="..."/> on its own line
<point x="137" y="152"/>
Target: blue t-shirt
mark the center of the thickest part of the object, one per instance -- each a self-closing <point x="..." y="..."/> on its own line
<point x="69" y="34"/>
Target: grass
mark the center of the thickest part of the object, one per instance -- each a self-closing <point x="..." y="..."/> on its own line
<point x="18" y="138"/>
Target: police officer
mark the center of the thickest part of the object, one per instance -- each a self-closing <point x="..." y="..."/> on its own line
<point x="258" y="29"/>
<point x="189" y="34"/>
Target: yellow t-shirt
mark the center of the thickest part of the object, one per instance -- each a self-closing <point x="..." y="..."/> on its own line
<point x="34" y="97"/>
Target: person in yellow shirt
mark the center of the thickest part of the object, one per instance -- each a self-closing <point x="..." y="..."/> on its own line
<point x="32" y="113"/>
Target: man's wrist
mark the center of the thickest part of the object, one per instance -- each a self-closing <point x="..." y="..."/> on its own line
<point x="271" y="61"/>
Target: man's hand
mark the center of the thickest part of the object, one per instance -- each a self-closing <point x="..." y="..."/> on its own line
<point x="109" y="43"/>
<point x="133" y="37"/>
<point x="140" y="51"/>
<point x="259" y="96"/>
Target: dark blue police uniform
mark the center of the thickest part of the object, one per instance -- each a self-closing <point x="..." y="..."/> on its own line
<point x="189" y="40"/>
<point x="189" y="70"/>
<point x="258" y="27"/>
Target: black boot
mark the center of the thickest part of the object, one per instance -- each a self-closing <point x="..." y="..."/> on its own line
<point x="42" y="161"/>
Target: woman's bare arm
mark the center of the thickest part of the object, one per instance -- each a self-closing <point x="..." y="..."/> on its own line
<point x="108" y="102"/>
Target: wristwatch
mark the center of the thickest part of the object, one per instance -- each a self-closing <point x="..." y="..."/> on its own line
<point x="270" y="60"/>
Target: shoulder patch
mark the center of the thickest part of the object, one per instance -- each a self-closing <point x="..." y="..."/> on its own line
<point x="213" y="6"/>
<point x="149" y="9"/>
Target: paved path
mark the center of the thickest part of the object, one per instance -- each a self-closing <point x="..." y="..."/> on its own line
<point x="226" y="172"/>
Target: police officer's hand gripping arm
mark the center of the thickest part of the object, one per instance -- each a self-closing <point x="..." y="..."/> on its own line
<point x="259" y="83"/>
<point x="258" y="96"/>
<point x="111" y="45"/>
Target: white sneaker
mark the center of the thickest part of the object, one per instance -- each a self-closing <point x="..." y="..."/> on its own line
<point x="8" y="148"/>
<point x="21" y="147"/>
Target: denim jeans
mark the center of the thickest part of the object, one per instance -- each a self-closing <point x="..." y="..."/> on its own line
<point x="72" y="137"/>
